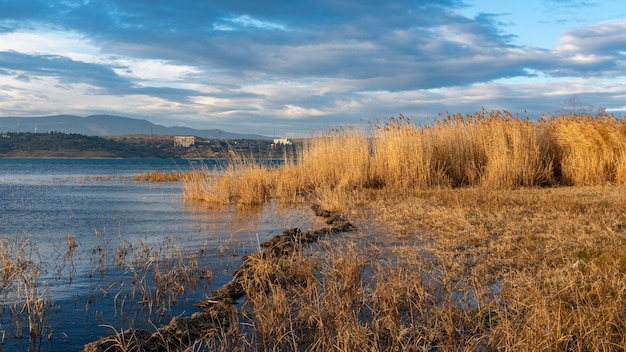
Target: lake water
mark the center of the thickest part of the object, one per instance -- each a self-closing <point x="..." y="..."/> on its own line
<point x="100" y="252"/>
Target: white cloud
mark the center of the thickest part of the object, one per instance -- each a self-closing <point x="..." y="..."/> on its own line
<point x="70" y="44"/>
<point x="601" y="37"/>
<point x="152" y="70"/>
<point x="250" y="66"/>
<point x="247" y="22"/>
<point x="293" y="111"/>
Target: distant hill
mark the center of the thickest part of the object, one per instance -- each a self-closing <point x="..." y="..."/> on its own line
<point x="108" y="125"/>
<point x="73" y="145"/>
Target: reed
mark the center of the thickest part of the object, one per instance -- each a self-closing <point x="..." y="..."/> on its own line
<point x="207" y="185"/>
<point x="253" y="183"/>
<point x="494" y="149"/>
<point x="589" y="150"/>
<point x="516" y="153"/>
<point x="341" y="158"/>
<point x="290" y="181"/>
<point x="158" y="176"/>
<point x="487" y="256"/>
<point x="404" y="156"/>
<point x="240" y="180"/>
<point x="526" y="269"/>
<point x="160" y="274"/>
<point x="28" y="300"/>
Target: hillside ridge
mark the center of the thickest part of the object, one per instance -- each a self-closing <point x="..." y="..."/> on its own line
<point x="108" y="125"/>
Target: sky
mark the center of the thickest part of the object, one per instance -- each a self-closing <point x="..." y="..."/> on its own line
<point x="291" y="68"/>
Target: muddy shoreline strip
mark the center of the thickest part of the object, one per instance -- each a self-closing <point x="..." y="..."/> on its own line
<point x="218" y="310"/>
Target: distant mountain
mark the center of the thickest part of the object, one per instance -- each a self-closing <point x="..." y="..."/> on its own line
<point x="108" y="125"/>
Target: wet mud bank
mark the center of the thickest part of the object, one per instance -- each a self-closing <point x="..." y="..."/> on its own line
<point x="219" y="311"/>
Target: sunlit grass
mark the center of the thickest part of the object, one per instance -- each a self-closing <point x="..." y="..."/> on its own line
<point x="158" y="176"/>
<point x="487" y="149"/>
<point x="508" y="234"/>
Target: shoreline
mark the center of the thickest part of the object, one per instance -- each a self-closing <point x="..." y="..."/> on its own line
<point x="216" y="311"/>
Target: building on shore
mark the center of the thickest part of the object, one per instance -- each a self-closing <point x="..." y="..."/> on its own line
<point x="283" y="141"/>
<point x="184" y="141"/>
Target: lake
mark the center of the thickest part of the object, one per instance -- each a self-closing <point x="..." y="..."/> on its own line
<point x="87" y="251"/>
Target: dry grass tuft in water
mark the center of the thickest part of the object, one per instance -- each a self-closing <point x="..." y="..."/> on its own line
<point x="27" y="300"/>
<point x="241" y="180"/>
<point x="158" y="176"/>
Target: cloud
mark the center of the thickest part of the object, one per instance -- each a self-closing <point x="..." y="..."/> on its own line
<point x="608" y="38"/>
<point x="596" y="50"/>
<point x="402" y="45"/>
<point x="23" y="78"/>
<point x="63" y="68"/>
<point x="101" y="78"/>
<point x="250" y="63"/>
<point x="246" y="22"/>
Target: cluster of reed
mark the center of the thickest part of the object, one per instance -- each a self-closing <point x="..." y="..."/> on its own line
<point x="157" y="176"/>
<point x="155" y="276"/>
<point x="488" y="149"/>
<point x="503" y="261"/>
<point x="26" y="298"/>
<point x="241" y="180"/>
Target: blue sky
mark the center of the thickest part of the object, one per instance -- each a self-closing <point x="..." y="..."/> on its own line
<point x="291" y="68"/>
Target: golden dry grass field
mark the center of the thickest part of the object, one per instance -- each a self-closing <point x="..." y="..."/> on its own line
<point x="505" y="234"/>
<point x="515" y="232"/>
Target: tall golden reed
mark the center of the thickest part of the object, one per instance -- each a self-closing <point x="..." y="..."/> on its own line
<point x="336" y="164"/>
<point x="240" y="180"/>
<point x="516" y="152"/>
<point x="589" y="150"/>
<point x="404" y="156"/>
<point x="487" y="149"/>
<point x="494" y="150"/>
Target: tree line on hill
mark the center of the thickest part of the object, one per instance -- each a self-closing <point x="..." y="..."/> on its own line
<point x="57" y="144"/>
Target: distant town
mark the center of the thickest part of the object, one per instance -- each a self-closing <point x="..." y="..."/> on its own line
<point x="73" y="145"/>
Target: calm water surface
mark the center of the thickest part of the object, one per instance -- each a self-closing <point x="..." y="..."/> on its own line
<point x="96" y="238"/>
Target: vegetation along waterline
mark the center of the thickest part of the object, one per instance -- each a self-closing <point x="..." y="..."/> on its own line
<point x="507" y="234"/>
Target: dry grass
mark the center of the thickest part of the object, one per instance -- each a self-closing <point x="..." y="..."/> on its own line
<point x="526" y="269"/>
<point x="495" y="261"/>
<point x="488" y="149"/>
<point x="548" y="263"/>
<point x="27" y="299"/>
<point x="207" y="186"/>
<point x="240" y="180"/>
<point x="158" y="176"/>
<point x="590" y="151"/>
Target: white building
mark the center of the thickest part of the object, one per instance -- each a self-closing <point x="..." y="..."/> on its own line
<point x="184" y="141"/>
<point x="283" y="141"/>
